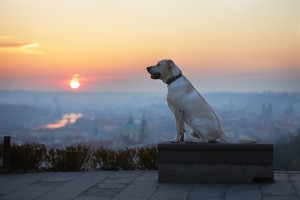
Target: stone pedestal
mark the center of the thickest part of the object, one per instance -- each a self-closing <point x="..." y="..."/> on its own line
<point x="214" y="163"/>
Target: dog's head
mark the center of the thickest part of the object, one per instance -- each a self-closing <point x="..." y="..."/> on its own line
<point x="164" y="70"/>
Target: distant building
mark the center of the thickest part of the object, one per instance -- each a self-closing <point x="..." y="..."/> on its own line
<point x="143" y="129"/>
<point x="267" y="110"/>
<point x="130" y="131"/>
<point x="134" y="133"/>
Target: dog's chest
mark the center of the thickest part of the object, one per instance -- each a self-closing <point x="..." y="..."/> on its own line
<point x="174" y="99"/>
<point x="177" y="93"/>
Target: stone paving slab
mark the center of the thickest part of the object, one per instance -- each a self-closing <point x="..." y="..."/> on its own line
<point x="139" y="185"/>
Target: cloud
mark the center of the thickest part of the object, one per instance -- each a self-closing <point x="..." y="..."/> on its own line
<point x="95" y="78"/>
<point x="81" y="78"/>
<point x="18" y="47"/>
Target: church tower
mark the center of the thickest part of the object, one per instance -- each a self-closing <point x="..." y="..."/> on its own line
<point x="143" y="129"/>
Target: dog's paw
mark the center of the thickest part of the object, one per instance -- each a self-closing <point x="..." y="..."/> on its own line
<point x="189" y="141"/>
<point x="175" y="140"/>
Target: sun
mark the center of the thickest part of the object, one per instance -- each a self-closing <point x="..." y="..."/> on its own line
<point x="74" y="82"/>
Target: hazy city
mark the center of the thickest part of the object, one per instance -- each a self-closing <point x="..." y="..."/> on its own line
<point x="83" y="108"/>
<point x="121" y="120"/>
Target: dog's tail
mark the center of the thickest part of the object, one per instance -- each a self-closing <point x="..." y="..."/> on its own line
<point x="226" y="139"/>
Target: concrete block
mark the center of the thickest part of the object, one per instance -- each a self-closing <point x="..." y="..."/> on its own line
<point x="214" y="163"/>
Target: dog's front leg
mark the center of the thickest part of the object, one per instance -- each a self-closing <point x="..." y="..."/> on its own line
<point x="179" y="126"/>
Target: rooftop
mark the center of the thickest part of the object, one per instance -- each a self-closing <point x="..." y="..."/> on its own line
<point x="138" y="185"/>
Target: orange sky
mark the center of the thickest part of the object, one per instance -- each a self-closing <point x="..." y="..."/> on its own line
<point x="232" y="45"/>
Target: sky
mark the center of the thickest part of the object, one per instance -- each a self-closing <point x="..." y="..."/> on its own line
<point x="231" y="45"/>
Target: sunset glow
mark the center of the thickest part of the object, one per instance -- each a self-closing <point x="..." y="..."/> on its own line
<point x="234" y="45"/>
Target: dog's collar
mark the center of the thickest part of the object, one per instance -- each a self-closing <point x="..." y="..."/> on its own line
<point x="171" y="80"/>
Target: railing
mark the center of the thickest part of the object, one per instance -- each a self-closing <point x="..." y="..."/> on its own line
<point x="6" y="150"/>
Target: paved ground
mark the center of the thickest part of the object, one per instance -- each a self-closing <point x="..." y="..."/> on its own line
<point x="137" y="185"/>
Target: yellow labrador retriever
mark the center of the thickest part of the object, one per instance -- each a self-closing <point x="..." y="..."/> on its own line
<point x="189" y="107"/>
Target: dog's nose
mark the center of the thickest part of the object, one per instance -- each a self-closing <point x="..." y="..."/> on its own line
<point x="148" y="69"/>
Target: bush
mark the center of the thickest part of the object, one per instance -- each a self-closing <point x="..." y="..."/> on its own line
<point x="128" y="159"/>
<point x="125" y="159"/>
<point x="147" y="158"/>
<point x="104" y="159"/>
<point x="287" y="152"/>
<point x="26" y="157"/>
<point x="73" y="158"/>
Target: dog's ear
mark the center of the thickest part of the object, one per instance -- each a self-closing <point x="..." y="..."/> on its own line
<point x="170" y="63"/>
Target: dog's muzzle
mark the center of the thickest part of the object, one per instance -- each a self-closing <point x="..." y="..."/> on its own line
<point x="155" y="75"/>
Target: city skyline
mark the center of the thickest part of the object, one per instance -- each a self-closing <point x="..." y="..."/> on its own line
<point x="235" y="45"/>
<point x="68" y="118"/>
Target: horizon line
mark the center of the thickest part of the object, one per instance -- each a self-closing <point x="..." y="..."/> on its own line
<point x="158" y="92"/>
